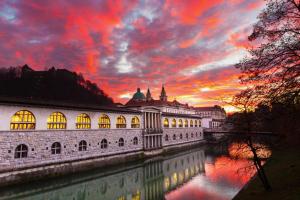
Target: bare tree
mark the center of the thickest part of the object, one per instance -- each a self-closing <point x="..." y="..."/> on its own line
<point x="274" y="66"/>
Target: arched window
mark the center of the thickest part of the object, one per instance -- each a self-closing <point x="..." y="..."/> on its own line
<point x="135" y="140"/>
<point x="173" y="123"/>
<point x="186" y="123"/>
<point x="121" y="142"/>
<point x="199" y="123"/>
<point x="196" y="123"/>
<point x="166" y="123"/>
<point x="103" y="144"/>
<point x="82" y="145"/>
<point x="191" y="123"/>
<point x="83" y="121"/>
<point x="180" y="124"/>
<point x="22" y="120"/>
<point x="104" y="121"/>
<point x="174" y="137"/>
<point x="56" y="148"/>
<point x="166" y="138"/>
<point x="180" y="135"/>
<point x="21" y="151"/>
<point x="135" y="122"/>
<point x="57" y="120"/>
<point x="121" y="122"/>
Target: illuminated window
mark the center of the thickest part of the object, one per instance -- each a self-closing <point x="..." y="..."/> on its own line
<point x="191" y="123"/>
<point x="57" y="120"/>
<point x="135" y="140"/>
<point x="174" y="123"/>
<point x="199" y="123"/>
<point x="135" y="122"/>
<point x="121" y="122"/>
<point x="136" y="196"/>
<point x="56" y="148"/>
<point x="103" y="144"/>
<point x="21" y="151"/>
<point x="180" y="124"/>
<point x="196" y="123"/>
<point x="166" y="123"/>
<point x="121" y="142"/>
<point x="22" y="120"/>
<point x="82" y="145"/>
<point x="104" y="121"/>
<point x="83" y="121"/>
<point x="186" y="123"/>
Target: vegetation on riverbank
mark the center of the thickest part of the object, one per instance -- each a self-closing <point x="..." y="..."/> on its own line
<point x="283" y="171"/>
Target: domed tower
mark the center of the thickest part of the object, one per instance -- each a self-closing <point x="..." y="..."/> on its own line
<point x="148" y="95"/>
<point x="163" y="94"/>
<point x="138" y="96"/>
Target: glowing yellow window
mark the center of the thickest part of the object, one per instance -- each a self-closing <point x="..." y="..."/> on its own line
<point x="83" y="121"/>
<point x="57" y="120"/>
<point x="174" y="123"/>
<point x="166" y="123"/>
<point x="196" y="123"/>
<point x="191" y="123"/>
<point x="186" y="123"/>
<point x="104" y="121"/>
<point x="180" y="124"/>
<point x="22" y="120"/>
<point x="135" y="122"/>
<point x="121" y="122"/>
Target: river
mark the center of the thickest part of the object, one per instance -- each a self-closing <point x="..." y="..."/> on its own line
<point x="207" y="172"/>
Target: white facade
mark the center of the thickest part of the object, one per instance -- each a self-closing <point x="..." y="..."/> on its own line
<point x="149" y="136"/>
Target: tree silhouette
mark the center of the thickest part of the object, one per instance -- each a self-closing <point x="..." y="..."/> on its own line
<point x="52" y="85"/>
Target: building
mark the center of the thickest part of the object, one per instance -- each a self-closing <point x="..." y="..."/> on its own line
<point x="213" y="117"/>
<point x="46" y="134"/>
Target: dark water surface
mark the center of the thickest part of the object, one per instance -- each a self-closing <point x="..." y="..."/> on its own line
<point x="202" y="173"/>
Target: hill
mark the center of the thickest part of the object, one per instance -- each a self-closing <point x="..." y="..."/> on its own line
<point x="54" y="85"/>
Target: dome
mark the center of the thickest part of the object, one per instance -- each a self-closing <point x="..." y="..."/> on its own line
<point x="139" y="96"/>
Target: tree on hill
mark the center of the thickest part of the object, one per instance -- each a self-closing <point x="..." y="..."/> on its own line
<point x="54" y="84"/>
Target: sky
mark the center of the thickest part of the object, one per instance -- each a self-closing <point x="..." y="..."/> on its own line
<point x="189" y="46"/>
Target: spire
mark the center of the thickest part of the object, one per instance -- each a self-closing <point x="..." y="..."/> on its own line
<point x="163" y="94"/>
<point x="148" y="95"/>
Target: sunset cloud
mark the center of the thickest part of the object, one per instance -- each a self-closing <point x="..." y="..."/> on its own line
<point x="190" y="46"/>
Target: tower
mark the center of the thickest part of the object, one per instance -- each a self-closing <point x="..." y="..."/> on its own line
<point x="148" y="95"/>
<point x="163" y="95"/>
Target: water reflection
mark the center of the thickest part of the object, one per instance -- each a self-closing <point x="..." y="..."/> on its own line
<point x="195" y="174"/>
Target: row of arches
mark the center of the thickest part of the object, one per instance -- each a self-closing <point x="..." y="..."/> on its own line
<point x="181" y="123"/>
<point x="25" y="120"/>
<point x="21" y="151"/>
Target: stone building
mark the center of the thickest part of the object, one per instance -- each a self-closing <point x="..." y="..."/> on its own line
<point x="216" y="115"/>
<point x="50" y="134"/>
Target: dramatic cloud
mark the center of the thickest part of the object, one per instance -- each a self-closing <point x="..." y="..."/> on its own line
<point x="190" y="46"/>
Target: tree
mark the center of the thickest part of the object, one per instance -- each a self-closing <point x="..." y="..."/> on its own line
<point x="273" y="67"/>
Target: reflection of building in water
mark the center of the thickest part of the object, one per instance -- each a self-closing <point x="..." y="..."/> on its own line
<point x="148" y="181"/>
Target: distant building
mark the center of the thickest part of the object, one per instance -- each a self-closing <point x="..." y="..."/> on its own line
<point x="216" y="113"/>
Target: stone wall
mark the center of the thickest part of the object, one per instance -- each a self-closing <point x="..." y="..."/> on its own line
<point x="182" y="135"/>
<point x="39" y="145"/>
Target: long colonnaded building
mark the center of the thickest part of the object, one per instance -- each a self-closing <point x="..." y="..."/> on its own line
<point x="44" y="135"/>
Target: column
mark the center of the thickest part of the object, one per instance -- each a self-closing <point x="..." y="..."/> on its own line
<point x="144" y="117"/>
<point x="148" y="120"/>
<point x="155" y="121"/>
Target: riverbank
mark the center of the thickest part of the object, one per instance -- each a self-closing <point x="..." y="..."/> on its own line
<point x="283" y="171"/>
